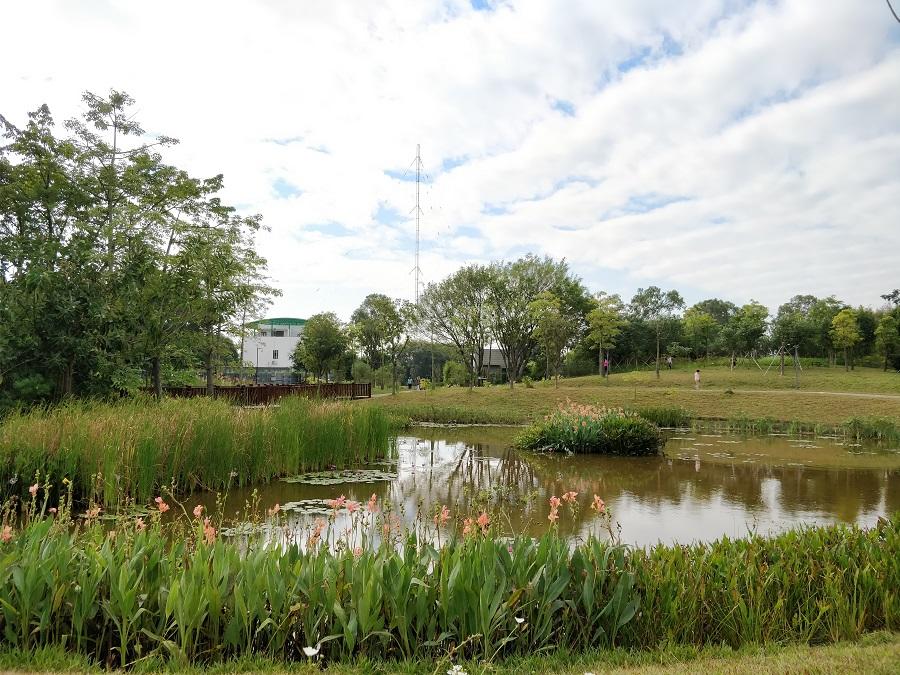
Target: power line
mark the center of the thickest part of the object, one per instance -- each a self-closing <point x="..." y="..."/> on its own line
<point x="416" y="269"/>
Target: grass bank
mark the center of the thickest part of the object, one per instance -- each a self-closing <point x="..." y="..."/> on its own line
<point x="139" y="596"/>
<point x="874" y="654"/>
<point x="128" y="451"/>
<point x="765" y="407"/>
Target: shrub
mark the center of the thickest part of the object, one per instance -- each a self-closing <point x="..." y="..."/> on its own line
<point x="666" y="416"/>
<point x="362" y="372"/>
<point x="456" y="374"/>
<point x="590" y="429"/>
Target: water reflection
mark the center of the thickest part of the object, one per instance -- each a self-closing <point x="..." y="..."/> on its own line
<point x="705" y="488"/>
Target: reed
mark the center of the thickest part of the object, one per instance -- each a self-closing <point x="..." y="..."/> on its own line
<point x="196" y="598"/>
<point x="128" y="451"/>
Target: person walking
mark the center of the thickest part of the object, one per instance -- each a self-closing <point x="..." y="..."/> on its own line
<point x="605" y="367"/>
<point x="669" y="362"/>
<point x="697" y="379"/>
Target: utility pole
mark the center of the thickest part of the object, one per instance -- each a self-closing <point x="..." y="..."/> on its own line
<point x="796" y="366"/>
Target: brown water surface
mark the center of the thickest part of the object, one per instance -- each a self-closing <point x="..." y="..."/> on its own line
<point x="708" y="485"/>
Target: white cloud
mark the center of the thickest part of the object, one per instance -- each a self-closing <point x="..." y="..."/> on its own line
<point x="766" y="133"/>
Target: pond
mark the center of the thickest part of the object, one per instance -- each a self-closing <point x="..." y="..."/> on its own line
<point x="708" y="485"/>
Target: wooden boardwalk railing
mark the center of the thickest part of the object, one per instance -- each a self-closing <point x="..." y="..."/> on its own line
<point x="264" y="394"/>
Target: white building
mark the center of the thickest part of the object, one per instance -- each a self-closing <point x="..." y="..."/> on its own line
<point x="268" y="345"/>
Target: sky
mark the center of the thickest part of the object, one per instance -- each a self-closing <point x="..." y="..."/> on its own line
<point x="724" y="148"/>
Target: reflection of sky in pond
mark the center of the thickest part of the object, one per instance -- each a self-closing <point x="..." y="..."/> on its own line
<point x="708" y="485"/>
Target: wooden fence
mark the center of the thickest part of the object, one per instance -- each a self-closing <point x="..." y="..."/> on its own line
<point x="264" y="394"/>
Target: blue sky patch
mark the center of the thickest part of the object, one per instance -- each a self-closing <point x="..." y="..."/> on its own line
<point x="284" y="189"/>
<point x="481" y="5"/>
<point x="387" y="215"/>
<point x="567" y="108"/>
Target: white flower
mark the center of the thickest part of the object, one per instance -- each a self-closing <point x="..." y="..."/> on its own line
<point x="519" y="620"/>
<point x="310" y="651"/>
<point x="457" y="670"/>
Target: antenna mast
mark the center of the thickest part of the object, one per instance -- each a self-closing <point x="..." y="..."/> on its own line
<point x="417" y="269"/>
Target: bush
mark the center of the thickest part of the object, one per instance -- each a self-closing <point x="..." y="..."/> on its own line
<point x="590" y="429"/>
<point x="455" y="373"/>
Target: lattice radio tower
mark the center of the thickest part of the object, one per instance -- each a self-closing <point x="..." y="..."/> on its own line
<point x="416" y="269"/>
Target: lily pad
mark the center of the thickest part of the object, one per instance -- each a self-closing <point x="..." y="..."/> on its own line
<point x="314" y="507"/>
<point x="339" y="477"/>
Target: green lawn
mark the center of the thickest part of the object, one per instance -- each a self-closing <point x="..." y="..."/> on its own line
<point x="826" y="395"/>
<point x="875" y="653"/>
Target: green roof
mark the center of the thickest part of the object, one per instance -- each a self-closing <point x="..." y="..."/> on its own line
<point x="280" y="321"/>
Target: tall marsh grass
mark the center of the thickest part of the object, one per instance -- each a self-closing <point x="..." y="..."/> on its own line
<point x="128" y="451"/>
<point x="197" y="599"/>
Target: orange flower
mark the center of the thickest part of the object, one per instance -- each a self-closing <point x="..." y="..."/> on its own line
<point x="372" y="506"/>
<point x="467" y="526"/>
<point x="554" y="502"/>
<point x="352" y="507"/>
<point x="161" y="505"/>
<point x="198" y="511"/>
<point x="554" y="516"/>
<point x="598" y="504"/>
<point x="483" y="521"/>
<point x="569" y="497"/>
<point x="7" y="533"/>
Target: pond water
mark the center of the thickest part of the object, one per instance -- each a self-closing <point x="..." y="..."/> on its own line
<point x="708" y="484"/>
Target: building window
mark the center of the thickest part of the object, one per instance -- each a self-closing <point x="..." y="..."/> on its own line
<point x="263" y="333"/>
<point x="274" y="354"/>
<point x="278" y="333"/>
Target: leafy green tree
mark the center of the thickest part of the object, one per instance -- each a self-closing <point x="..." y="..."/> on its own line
<point x="605" y="322"/>
<point x="511" y="288"/>
<point x="845" y="333"/>
<point x="887" y="337"/>
<point x="658" y="309"/>
<point x="321" y="345"/>
<point x="720" y="310"/>
<point x="455" y="312"/>
<point x="383" y="328"/>
<point x="553" y="329"/>
<point x="745" y="329"/>
<point x="701" y="329"/>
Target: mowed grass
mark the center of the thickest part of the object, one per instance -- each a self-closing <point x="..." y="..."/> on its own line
<point x="875" y="653"/>
<point x="826" y="396"/>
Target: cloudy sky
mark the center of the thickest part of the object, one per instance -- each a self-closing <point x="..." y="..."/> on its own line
<point x="725" y="148"/>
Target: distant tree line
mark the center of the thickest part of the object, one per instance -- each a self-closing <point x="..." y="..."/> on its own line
<point x="117" y="270"/>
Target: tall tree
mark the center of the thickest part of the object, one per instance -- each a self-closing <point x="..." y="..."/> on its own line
<point x="512" y="286"/>
<point x="383" y="328"/>
<point x="845" y="333"/>
<point x="322" y="344"/>
<point x="887" y="337"/>
<point x="455" y="311"/>
<point x="744" y="330"/>
<point x="657" y="308"/>
<point x="701" y="328"/>
<point x="605" y="322"/>
<point x="554" y="328"/>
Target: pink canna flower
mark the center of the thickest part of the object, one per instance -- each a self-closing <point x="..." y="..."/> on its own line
<point x="198" y="511"/>
<point x="467" y="526"/>
<point x="52" y="510"/>
<point x="33" y="489"/>
<point x="275" y="509"/>
<point x="161" y="505"/>
<point x="554" y="502"/>
<point x="352" y="506"/>
<point x="554" y="516"/>
<point x="357" y="552"/>
<point x="483" y="521"/>
<point x="372" y="506"/>
<point x="93" y="512"/>
<point x="598" y="504"/>
<point x="442" y="517"/>
<point x="209" y="532"/>
<point x="7" y="533"/>
<point x="139" y="525"/>
<point x="569" y="497"/>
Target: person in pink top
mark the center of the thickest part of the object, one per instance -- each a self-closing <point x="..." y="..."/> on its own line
<point x="697" y="379"/>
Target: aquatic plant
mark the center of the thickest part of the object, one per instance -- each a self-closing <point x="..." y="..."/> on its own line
<point x="128" y="451"/>
<point x="190" y="596"/>
<point x="666" y="416"/>
<point x="590" y="429"/>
